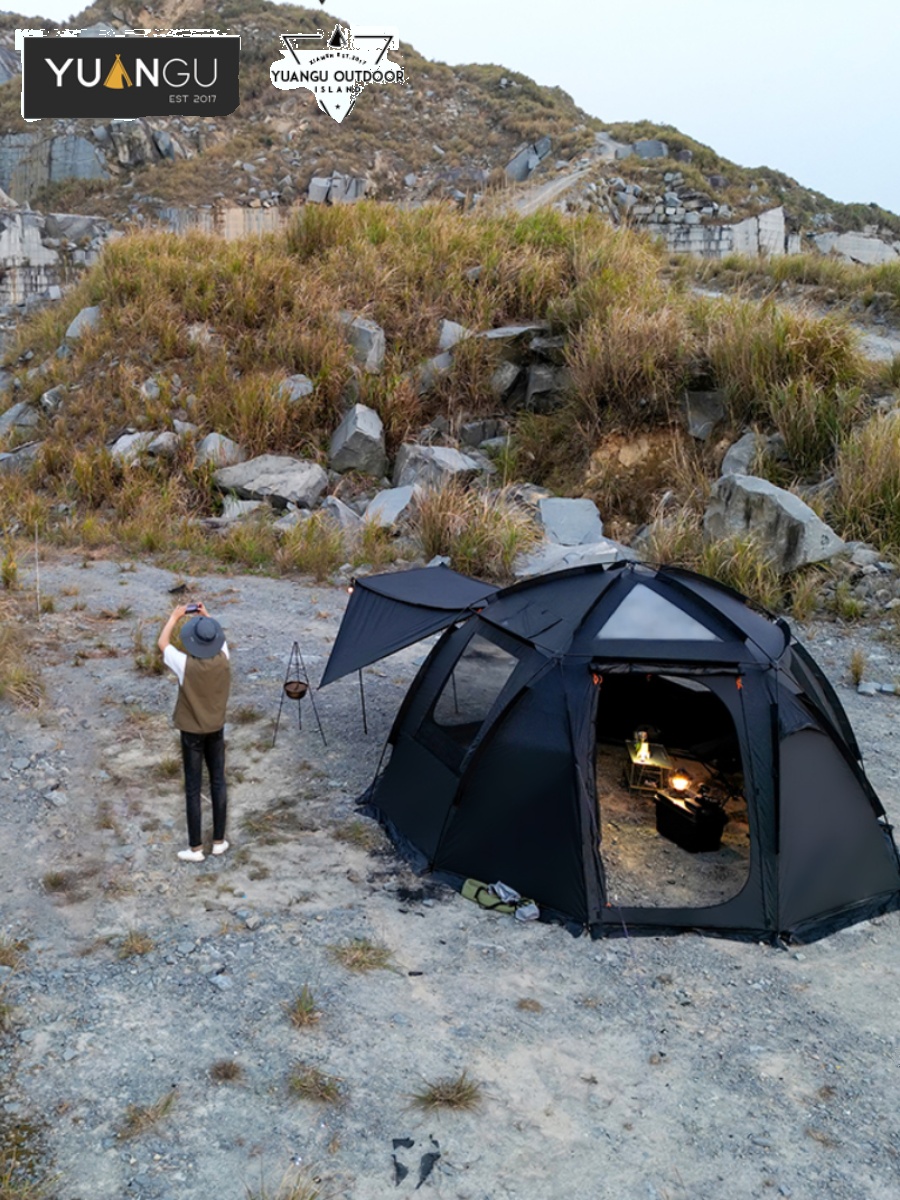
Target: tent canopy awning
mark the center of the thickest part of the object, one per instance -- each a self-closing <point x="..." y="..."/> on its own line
<point x="388" y="612"/>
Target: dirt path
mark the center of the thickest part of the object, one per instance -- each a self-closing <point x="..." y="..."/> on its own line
<point x="649" y="1068"/>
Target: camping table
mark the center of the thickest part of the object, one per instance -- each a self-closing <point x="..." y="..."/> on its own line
<point x="647" y="774"/>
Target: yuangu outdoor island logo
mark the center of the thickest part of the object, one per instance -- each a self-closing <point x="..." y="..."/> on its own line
<point x="336" y="71"/>
<point x="144" y="73"/>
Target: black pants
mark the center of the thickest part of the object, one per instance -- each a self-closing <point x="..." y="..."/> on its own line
<point x="195" y="747"/>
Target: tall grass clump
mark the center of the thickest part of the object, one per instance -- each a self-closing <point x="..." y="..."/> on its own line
<point x="20" y="679"/>
<point x="739" y="562"/>
<point x="628" y="366"/>
<point x="315" y="546"/>
<point x="754" y="349"/>
<point x="480" y="534"/>
<point x="866" y="503"/>
<point x="813" y="420"/>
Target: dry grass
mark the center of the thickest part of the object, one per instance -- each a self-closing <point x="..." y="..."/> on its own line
<point x="141" y="1118"/>
<point x="303" y="1012"/>
<point x="867" y="499"/>
<point x="245" y="714"/>
<point x="20" y="679"/>
<point x="274" y="824"/>
<point x="314" y="546"/>
<point x="460" y="1092"/>
<point x="740" y="562"/>
<point x="364" y="835"/>
<point x="295" y="1185"/>
<point x="135" y="943"/>
<point x="756" y="349"/>
<point x="527" y="1004"/>
<point x="481" y="534"/>
<point x="226" y="1070"/>
<point x="271" y="305"/>
<point x="361" y="955"/>
<point x="11" y="951"/>
<point x="628" y="365"/>
<point x="308" y="1082"/>
<point x="858" y="663"/>
<point x="167" y="768"/>
<point x="57" y="881"/>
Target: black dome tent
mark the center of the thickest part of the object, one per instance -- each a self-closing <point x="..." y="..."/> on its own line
<point x="544" y="740"/>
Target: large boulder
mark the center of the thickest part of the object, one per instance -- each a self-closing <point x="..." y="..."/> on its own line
<point x="276" y="478"/>
<point x="387" y="507"/>
<point x="367" y="340"/>
<point x="358" y="443"/>
<point x="570" y="522"/>
<point x="21" y="416"/>
<point x="219" y="450"/>
<point x="789" y="531"/>
<point x="432" y="466"/>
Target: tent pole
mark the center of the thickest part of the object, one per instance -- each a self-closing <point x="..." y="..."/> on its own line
<point x="362" y="699"/>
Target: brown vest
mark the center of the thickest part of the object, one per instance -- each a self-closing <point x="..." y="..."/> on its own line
<point x="203" y="696"/>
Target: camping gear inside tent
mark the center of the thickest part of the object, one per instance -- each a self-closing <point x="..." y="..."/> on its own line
<point x="636" y="748"/>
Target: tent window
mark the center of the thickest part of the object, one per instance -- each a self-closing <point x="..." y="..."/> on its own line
<point x="644" y="615"/>
<point x="474" y="684"/>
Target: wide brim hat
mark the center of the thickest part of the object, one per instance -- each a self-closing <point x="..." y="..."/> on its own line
<point x="203" y="637"/>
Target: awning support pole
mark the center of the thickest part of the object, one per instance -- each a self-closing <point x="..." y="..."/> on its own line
<point x="362" y="700"/>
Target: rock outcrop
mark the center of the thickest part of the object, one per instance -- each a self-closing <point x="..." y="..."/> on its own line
<point x="788" y="530"/>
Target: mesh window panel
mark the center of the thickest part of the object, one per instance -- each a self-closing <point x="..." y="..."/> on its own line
<point x="474" y="685"/>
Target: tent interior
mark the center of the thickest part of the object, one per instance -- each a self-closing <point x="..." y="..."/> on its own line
<point x="649" y="830"/>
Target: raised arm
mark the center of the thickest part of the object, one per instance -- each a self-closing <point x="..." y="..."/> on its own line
<point x="166" y="636"/>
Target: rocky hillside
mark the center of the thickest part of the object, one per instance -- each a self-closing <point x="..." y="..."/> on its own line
<point x="461" y="132"/>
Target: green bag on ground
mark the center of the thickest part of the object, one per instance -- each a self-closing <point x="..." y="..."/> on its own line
<point x="474" y="889"/>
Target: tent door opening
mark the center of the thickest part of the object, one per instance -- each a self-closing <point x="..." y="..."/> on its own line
<point x="672" y="812"/>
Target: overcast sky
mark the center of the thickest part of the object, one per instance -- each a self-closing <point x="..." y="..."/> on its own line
<point x="811" y="87"/>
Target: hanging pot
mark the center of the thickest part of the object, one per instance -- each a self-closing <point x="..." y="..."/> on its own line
<point x="296" y="689"/>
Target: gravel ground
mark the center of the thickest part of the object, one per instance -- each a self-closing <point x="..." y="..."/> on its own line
<point x="654" y="1068"/>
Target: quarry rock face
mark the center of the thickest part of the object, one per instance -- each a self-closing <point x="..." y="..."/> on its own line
<point x="789" y="531"/>
<point x="277" y="478"/>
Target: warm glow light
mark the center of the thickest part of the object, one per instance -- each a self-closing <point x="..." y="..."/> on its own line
<point x="680" y="782"/>
<point x="642" y="754"/>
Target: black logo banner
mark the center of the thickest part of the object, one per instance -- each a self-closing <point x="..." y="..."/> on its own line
<point x="120" y="77"/>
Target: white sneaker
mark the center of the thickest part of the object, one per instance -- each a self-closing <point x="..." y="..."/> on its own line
<point x="191" y="855"/>
<point x="220" y="847"/>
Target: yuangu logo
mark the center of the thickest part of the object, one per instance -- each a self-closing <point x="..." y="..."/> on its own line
<point x="123" y="77"/>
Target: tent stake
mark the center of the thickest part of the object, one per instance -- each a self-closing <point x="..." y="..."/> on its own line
<point x="362" y="700"/>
